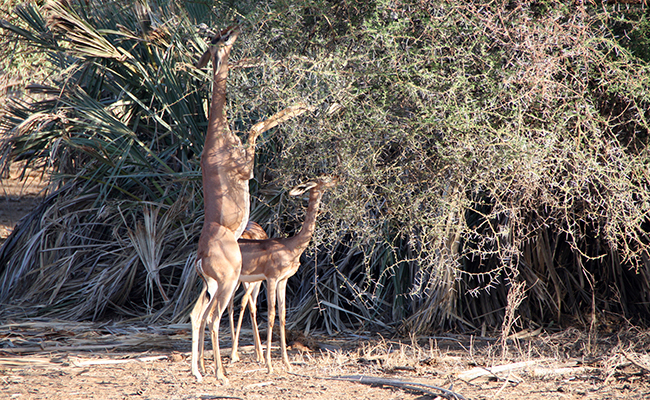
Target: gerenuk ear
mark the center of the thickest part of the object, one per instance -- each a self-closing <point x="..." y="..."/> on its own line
<point x="300" y="189"/>
<point x="203" y="61"/>
<point x="226" y="36"/>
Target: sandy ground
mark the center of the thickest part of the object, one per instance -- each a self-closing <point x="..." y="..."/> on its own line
<point x="71" y="360"/>
<point x="59" y="360"/>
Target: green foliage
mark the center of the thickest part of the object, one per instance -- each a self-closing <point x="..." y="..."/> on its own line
<point x="18" y="62"/>
<point x="479" y="145"/>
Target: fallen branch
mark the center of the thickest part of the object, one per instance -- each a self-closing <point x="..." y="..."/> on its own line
<point x="24" y="361"/>
<point x="77" y="363"/>
<point x="53" y="349"/>
<point x="478" y="372"/>
<point x="105" y="342"/>
<point x="563" y="371"/>
<point x="415" y="386"/>
<point x="41" y="361"/>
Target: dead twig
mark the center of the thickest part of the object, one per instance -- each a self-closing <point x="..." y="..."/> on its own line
<point x="51" y="349"/>
<point x="77" y="363"/>
<point x="416" y="386"/>
<point x="19" y="362"/>
<point x="42" y="361"/>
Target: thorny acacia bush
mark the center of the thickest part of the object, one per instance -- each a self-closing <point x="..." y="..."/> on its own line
<point x="479" y="145"/>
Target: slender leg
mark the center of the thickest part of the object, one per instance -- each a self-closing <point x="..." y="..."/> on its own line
<point x="252" y="303"/>
<point x="220" y="267"/>
<point x="198" y="329"/>
<point x="197" y="343"/>
<point x="271" y="285"/>
<point x="221" y="300"/>
<point x="282" y="313"/>
<point x="234" y="356"/>
<point x="231" y="311"/>
<point x="206" y="323"/>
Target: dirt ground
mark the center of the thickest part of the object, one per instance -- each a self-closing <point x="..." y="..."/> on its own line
<point x="67" y="360"/>
<point x="71" y="360"/>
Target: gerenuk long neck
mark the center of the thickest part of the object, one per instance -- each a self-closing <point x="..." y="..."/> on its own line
<point x="218" y="129"/>
<point x="225" y="190"/>
<point x="217" y="121"/>
<point x="302" y="238"/>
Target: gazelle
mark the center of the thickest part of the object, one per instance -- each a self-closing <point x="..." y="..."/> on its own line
<point x="275" y="261"/>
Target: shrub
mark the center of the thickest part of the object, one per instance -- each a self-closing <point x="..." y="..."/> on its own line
<point x="483" y="147"/>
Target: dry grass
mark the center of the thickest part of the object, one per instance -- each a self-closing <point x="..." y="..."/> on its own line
<point x="20" y="191"/>
<point x="33" y="353"/>
<point x="483" y="146"/>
